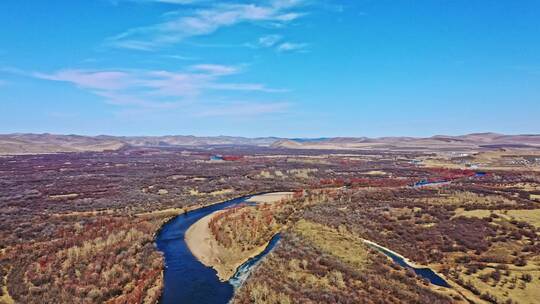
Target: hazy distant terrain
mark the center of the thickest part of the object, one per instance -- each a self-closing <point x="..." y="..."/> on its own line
<point x="470" y="141"/>
<point x="49" y="143"/>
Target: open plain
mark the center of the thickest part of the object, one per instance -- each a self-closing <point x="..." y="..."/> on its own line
<point x="80" y="226"/>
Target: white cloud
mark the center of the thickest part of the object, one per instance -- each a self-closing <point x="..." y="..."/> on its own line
<point x="275" y="42"/>
<point x="180" y="57"/>
<point x="203" y="22"/>
<point x="269" y="40"/>
<point x="245" y="87"/>
<point x="99" y="80"/>
<point x="154" y="88"/>
<point x="216" y="69"/>
<point x="291" y="46"/>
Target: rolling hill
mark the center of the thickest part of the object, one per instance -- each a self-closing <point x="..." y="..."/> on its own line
<point x="19" y="143"/>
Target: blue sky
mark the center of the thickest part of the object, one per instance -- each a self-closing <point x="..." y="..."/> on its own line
<point x="291" y="68"/>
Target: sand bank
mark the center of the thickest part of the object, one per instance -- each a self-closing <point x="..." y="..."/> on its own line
<point x="208" y="251"/>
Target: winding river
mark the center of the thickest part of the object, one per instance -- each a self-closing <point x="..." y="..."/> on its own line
<point x="186" y="280"/>
<point x="423" y="272"/>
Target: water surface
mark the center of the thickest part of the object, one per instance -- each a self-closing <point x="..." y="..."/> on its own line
<point x="244" y="270"/>
<point x="423" y="272"/>
<point x="185" y="279"/>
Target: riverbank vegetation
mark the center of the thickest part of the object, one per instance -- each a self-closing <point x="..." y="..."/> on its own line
<point x="315" y="263"/>
<point x="80" y="226"/>
<point x="431" y="227"/>
<point x="244" y="228"/>
<point x="227" y="238"/>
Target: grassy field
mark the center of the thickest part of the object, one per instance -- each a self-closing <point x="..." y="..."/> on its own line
<point x="507" y="159"/>
<point x="531" y="216"/>
<point x="340" y="244"/>
<point x="462" y="198"/>
<point x="510" y="286"/>
<point x="506" y="281"/>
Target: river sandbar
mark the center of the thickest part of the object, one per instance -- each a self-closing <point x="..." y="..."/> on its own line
<point x="208" y="251"/>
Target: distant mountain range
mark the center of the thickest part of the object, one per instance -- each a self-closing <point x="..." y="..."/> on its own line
<point x="470" y="141"/>
<point x="49" y="143"/>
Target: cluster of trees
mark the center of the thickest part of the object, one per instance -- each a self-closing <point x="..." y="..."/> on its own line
<point x="245" y="227"/>
<point x="425" y="225"/>
<point x="363" y="182"/>
<point x="449" y="174"/>
<point x="101" y="259"/>
<point x="236" y="226"/>
<point x="299" y="272"/>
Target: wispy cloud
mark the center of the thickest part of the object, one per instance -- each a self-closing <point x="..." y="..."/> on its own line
<point x="269" y="40"/>
<point x="205" y="21"/>
<point x="180" y="57"/>
<point x="245" y="87"/>
<point x="98" y="80"/>
<point x="154" y="88"/>
<point x="276" y="42"/>
<point x="291" y="46"/>
<point x="216" y="69"/>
